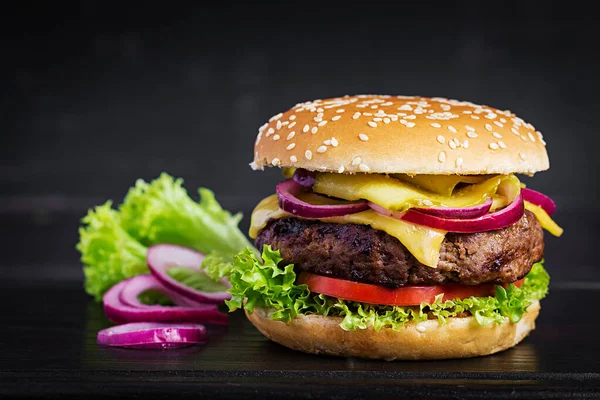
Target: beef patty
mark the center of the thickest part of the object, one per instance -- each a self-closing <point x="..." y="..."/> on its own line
<point x="363" y="254"/>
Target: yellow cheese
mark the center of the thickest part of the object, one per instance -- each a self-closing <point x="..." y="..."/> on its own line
<point x="422" y="242"/>
<point x="545" y="220"/>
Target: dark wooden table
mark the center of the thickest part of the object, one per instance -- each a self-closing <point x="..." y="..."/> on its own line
<point x="48" y="330"/>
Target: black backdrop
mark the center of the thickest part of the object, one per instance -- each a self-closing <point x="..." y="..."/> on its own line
<point x="98" y="94"/>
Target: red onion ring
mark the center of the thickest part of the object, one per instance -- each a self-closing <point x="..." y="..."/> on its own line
<point x="489" y="222"/>
<point x="459" y="213"/>
<point x="118" y="312"/>
<point x="161" y="257"/>
<point x="288" y="190"/>
<point x="304" y="177"/>
<point x="141" y="283"/>
<point x="539" y="199"/>
<point x="153" y="335"/>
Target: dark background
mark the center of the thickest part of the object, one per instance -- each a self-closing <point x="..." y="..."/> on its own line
<point x="98" y="94"/>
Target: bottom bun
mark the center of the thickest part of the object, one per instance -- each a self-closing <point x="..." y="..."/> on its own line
<point x="428" y="340"/>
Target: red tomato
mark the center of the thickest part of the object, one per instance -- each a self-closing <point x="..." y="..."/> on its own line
<point x="405" y="296"/>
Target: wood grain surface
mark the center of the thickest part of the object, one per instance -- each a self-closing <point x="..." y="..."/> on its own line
<point x="49" y="349"/>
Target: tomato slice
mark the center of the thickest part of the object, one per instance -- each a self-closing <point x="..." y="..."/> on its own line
<point x="405" y="296"/>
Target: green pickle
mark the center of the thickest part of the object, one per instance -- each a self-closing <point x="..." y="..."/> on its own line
<point x="398" y="195"/>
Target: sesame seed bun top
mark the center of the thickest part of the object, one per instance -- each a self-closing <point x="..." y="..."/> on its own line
<point x="400" y="134"/>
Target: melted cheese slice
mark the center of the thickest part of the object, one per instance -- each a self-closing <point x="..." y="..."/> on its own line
<point x="545" y="221"/>
<point x="422" y="242"/>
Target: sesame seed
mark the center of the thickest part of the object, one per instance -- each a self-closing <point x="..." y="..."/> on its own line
<point x="275" y="161"/>
<point x="363" y="167"/>
<point x="327" y="142"/>
<point x="276" y="137"/>
<point x="306" y="128"/>
<point x="340" y="169"/>
<point x="498" y="123"/>
<point x="292" y="117"/>
<point x="503" y="120"/>
<point x="523" y="156"/>
<point x="308" y="154"/>
<point x="497" y="135"/>
<point x="513" y="130"/>
<point x="278" y="125"/>
<point x="465" y="143"/>
<point x="290" y="126"/>
<point x="531" y="137"/>
<point x="410" y="117"/>
<point x="410" y="124"/>
<point x="501" y="144"/>
<point x="470" y="128"/>
<point x="442" y="157"/>
<point x="451" y="129"/>
<point x="372" y="124"/>
<point x="377" y="119"/>
<point x="284" y="123"/>
<point x="322" y="149"/>
<point x="317" y="119"/>
<point x="274" y="117"/>
<point x="314" y="130"/>
<point x="334" y="142"/>
<point x="474" y="117"/>
<point x="356" y="115"/>
<point x="293" y="159"/>
<point x="363" y="137"/>
<point x="472" y="134"/>
<point x="421" y="328"/>
<point x="386" y="120"/>
<point x="452" y="144"/>
<point x="322" y="123"/>
<point x="459" y="161"/>
<point x="374" y="106"/>
<point x="270" y="131"/>
<point x="445" y="107"/>
<point x="403" y="121"/>
<point x="435" y="125"/>
<point x="441" y="139"/>
<point x="340" y="110"/>
<point x="524" y="137"/>
<point x="494" y="146"/>
<point x="356" y="160"/>
<point x="319" y="110"/>
<point x="336" y="117"/>
<point x="467" y="112"/>
<point x="291" y="135"/>
<point x="291" y="146"/>
<point x="488" y="127"/>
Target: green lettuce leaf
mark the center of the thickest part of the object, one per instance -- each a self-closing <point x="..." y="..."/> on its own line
<point x="113" y="242"/>
<point x="162" y="212"/>
<point x="264" y="283"/>
<point x="109" y="254"/>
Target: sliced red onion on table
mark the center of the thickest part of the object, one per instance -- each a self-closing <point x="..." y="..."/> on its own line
<point x="161" y="257"/>
<point x="153" y="335"/>
<point x="460" y="213"/>
<point x="489" y="222"/>
<point x="304" y="178"/>
<point x="119" y="312"/>
<point x="288" y="191"/>
<point x="539" y="199"/>
<point x="141" y="283"/>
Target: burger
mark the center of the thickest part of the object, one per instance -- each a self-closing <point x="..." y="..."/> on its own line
<point x="400" y="229"/>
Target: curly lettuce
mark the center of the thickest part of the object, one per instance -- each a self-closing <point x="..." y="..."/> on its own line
<point x="113" y="242"/>
<point x="262" y="282"/>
